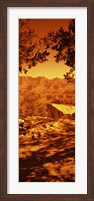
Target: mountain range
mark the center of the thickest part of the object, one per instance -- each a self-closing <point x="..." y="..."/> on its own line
<point x="35" y="94"/>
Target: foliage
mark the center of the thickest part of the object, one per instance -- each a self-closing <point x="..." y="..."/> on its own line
<point x="31" y="48"/>
<point x="34" y="50"/>
<point x="63" y="42"/>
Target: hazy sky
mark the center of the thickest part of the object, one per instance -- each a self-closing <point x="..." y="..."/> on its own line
<point x="50" y="68"/>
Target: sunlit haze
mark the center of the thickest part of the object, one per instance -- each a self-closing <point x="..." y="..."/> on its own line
<point x="49" y="69"/>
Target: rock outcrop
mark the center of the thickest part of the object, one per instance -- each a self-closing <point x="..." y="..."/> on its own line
<point x="54" y="112"/>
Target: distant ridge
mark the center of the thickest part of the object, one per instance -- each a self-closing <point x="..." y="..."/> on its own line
<point x="36" y="93"/>
<point x="41" y="77"/>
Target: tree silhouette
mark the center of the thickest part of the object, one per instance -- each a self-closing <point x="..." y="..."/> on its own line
<point x="34" y="50"/>
<point x="31" y="48"/>
<point x="63" y="42"/>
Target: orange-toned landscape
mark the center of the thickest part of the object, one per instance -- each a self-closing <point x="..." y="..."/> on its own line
<point x="46" y="113"/>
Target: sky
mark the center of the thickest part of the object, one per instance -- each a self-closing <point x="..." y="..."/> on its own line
<point x="49" y="69"/>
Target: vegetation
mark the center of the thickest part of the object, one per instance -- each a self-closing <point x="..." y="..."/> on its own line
<point x="34" y="50"/>
<point x="31" y="48"/>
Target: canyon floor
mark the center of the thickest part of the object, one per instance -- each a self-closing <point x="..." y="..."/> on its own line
<point x="47" y="150"/>
<point x="46" y="130"/>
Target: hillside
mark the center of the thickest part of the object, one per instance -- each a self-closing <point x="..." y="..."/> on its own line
<point x="36" y="93"/>
<point x="46" y="130"/>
